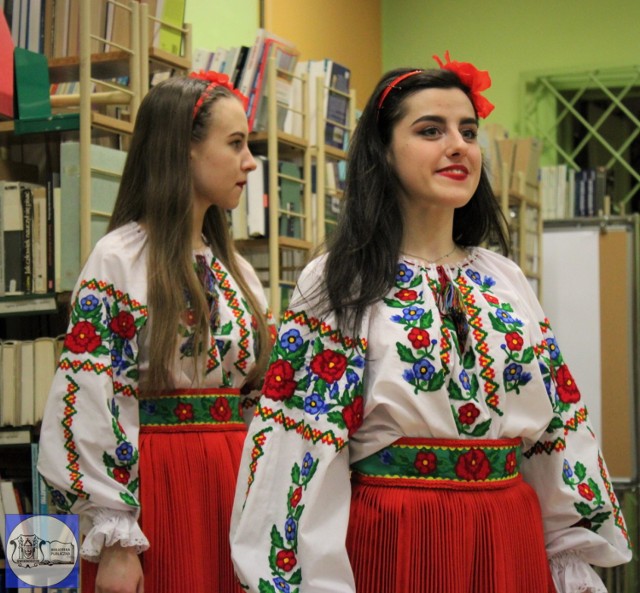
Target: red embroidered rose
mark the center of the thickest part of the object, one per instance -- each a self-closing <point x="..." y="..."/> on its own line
<point x="514" y="341"/>
<point x="406" y="295"/>
<point x="473" y="465"/>
<point x="286" y="560"/>
<point x="491" y="299"/>
<point x="183" y="411"/>
<point x="426" y="462"/>
<point x="82" y="338"/>
<point x="586" y="492"/>
<point x="296" y="497"/>
<point x="123" y="325"/>
<point x="220" y="410"/>
<point x="419" y="338"/>
<point x="352" y="414"/>
<point x="278" y="382"/>
<point x="189" y="317"/>
<point x="120" y="474"/>
<point x="511" y="463"/>
<point x="329" y="365"/>
<point x="468" y="413"/>
<point x="566" y="386"/>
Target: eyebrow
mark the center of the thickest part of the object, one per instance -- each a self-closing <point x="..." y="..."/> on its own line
<point x="441" y="120"/>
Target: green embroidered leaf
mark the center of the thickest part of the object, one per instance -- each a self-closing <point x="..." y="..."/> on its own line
<point x="583" y="508"/>
<point x="225" y="330"/>
<point x="580" y="470"/>
<point x="394" y="303"/>
<point x="599" y="519"/>
<point x="296" y="577"/>
<point x="481" y="428"/>
<point x="133" y="485"/>
<point x="455" y="392"/>
<point x="321" y="387"/>
<point x="318" y="346"/>
<point x="417" y="281"/>
<point x="555" y="424"/>
<point x="266" y="587"/>
<point x="497" y="324"/>
<point x="426" y="321"/>
<point x="295" y="474"/>
<point x="507" y="307"/>
<point x="527" y="355"/>
<point x="437" y="381"/>
<point x="474" y="386"/>
<point x="100" y="351"/>
<point x="469" y="360"/>
<point x="128" y="499"/>
<point x="108" y="460"/>
<point x="335" y="417"/>
<point x="294" y="402"/>
<point x="276" y="539"/>
<point x="405" y="353"/>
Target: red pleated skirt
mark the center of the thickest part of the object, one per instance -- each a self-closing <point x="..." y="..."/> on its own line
<point x="190" y="446"/>
<point x="435" y="516"/>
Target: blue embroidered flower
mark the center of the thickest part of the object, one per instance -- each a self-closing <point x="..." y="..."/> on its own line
<point x="58" y="499"/>
<point x="464" y="379"/>
<point x="124" y="451"/>
<point x="514" y="372"/>
<point x="552" y="346"/>
<point x="88" y="303"/>
<point x="474" y="276"/>
<point x="566" y="470"/>
<point x="404" y="273"/>
<point x="506" y="317"/>
<point x="291" y="340"/>
<point x="423" y="369"/>
<point x="307" y="462"/>
<point x="117" y="361"/>
<point x="385" y="456"/>
<point x="352" y="377"/>
<point x="148" y="406"/>
<point x="334" y="390"/>
<point x="314" y="404"/>
<point x="281" y="585"/>
<point x="290" y="529"/>
<point x="412" y="313"/>
<point x="357" y="361"/>
<point x="546" y="376"/>
<point x="408" y="376"/>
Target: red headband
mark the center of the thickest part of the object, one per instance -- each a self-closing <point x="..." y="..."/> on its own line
<point x="215" y="79"/>
<point x="469" y="75"/>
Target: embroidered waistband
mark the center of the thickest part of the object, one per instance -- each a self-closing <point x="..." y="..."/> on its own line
<point x="443" y="463"/>
<point x="192" y="409"/>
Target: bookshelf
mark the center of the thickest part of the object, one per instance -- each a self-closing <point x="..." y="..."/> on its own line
<point x="285" y="255"/>
<point x="523" y="212"/>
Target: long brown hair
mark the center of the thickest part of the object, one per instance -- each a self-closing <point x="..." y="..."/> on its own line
<point x="156" y="190"/>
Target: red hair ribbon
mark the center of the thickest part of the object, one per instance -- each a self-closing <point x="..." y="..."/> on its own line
<point x="393" y="84"/>
<point x="215" y="79"/>
<point x="476" y="80"/>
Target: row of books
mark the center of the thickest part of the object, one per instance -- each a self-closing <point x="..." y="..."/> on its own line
<point x="251" y="218"/>
<point x="34" y="258"/>
<point x="247" y="67"/>
<point x="27" y="368"/>
<point x="52" y="27"/>
<point x="567" y="193"/>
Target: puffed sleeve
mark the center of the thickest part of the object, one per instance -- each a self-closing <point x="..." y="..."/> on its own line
<point x="582" y="518"/>
<point x="291" y="509"/>
<point x="89" y="437"/>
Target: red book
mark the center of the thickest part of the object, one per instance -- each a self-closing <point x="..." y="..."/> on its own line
<point x="6" y="69"/>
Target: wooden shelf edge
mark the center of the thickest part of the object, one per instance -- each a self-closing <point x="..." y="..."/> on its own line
<point x="111" y="124"/>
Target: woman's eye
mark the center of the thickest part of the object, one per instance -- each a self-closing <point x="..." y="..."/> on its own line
<point x="469" y="134"/>
<point x="430" y="132"/>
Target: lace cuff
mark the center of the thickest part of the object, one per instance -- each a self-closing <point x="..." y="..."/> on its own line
<point x="571" y="574"/>
<point x="110" y="527"/>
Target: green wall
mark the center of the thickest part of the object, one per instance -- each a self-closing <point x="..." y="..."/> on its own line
<point x="510" y="38"/>
<point x="222" y="23"/>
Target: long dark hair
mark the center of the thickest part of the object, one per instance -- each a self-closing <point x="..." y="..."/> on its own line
<point x="156" y="189"/>
<point x="363" y="250"/>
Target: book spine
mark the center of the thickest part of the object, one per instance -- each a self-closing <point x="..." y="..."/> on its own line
<point x="26" y="198"/>
<point x="50" y="240"/>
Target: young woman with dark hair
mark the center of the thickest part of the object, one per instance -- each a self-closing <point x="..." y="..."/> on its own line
<point x="169" y="334"/>
<point x="419" y="429"/>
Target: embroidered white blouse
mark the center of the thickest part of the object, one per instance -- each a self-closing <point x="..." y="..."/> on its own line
<point x="330" y="400"/>
<point x="89" y="437"/>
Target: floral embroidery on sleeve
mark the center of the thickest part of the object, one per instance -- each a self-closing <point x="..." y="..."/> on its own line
<point x="284" y="539"/>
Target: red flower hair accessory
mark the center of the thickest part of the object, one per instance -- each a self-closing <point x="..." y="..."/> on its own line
<point x="215" y="79"/>
<point x="476" y="80"/>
